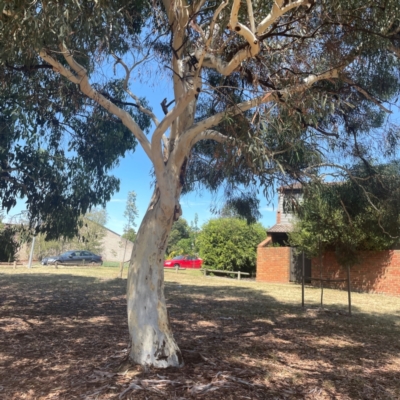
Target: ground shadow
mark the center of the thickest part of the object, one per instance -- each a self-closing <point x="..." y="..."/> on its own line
<point x="64" y="336"/>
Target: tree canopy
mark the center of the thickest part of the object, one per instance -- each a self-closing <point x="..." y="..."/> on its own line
<point x="129" y="234"/>
<point x="131" y="212"/>
<point x="56" y="148"/>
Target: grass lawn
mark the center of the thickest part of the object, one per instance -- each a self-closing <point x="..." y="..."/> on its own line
<point x="63" y="335"/>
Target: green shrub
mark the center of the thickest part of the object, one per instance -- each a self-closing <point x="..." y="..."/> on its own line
<point x="230" y="244"/>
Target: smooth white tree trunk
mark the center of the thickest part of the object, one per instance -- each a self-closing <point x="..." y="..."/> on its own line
<point x="149" y="327"/>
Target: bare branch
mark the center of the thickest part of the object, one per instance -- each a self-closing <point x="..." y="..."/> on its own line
<point x="368" y="96"/>
<point x="242" y="30"/>
<point x="210" y="134"/>
<point x="180" y="106"/>
<point x="278" y="9"/>
<point x="311" y="79"/>
<point x="251" y="15"/>
<point x="197" y="6"/>
<point x="253" y="48"/>
<point x="210" y="35"/>
<point x="134" y="97"/>
<point x="211" y="61"/>
<point x="83" y="82"/>
<point x="57" y="67"/>
<point x="189" y="135"/>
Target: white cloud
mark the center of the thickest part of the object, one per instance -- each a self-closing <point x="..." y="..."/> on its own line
<point x="118" y="201"/>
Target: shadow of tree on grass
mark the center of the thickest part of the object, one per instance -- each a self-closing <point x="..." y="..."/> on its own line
<point x="64" y="336"/>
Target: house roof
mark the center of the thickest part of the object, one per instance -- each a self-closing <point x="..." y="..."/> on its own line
<point x="299" y="186"/>
<point x="293" y="186"/>
<point x="281" y="228"/>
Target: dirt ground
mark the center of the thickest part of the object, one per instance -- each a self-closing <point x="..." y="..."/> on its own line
<point x="64" y="335"/>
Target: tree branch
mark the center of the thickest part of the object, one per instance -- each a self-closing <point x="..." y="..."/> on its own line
<point x="210" y="134"/>
<point x="367" y="95"/>
<point x="210" y="35"/>
<point x="134" y="97"/>
<point x="278" y="9"/>
<point x="172" y="115"/>
<point x="253" y="48"/>
<point x="251" y="15"/>
<point x="242" y="30"/>
<point x="83" y="82"/>
<point x="189" y="135"/>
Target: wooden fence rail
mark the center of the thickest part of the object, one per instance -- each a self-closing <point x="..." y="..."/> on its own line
<point x="11" y="264"/>
<point x="238" y="273"/>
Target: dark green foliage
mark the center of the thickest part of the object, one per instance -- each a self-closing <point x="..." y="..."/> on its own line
<point x="179" y="238"/>
<point x="360" y="213"/>
<point x="82" y="25"/>
<point x="230" y="244"/>
<point x="56" y="147"/>
<point x="57" y="182"/>
<point x="338" y="118"/>
<point x="9" y="245"/>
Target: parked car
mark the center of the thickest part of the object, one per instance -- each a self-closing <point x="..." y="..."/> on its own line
<point x="73" y="257"/>
<point x="184" y="262"/>
<point x="48" y="260"/>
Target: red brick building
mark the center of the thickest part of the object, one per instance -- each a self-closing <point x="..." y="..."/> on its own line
<point x="377" y="272"/>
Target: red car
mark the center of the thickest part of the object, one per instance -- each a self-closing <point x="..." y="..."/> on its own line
<point x="184" y="262"/>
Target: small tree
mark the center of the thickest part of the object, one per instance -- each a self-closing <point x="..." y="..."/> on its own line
<point x="230" y="244"/>
<point x="130" y="213"/>
<point x="194" y="231"/>
<point x="359" y="213"/>
<point x="91" y="231"/>
<point x="129" y="234"/>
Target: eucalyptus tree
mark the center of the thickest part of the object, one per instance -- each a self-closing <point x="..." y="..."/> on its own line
<point x="260" y="89"/>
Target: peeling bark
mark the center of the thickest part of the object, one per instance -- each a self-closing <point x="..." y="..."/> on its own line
<point x="149" y="327"/>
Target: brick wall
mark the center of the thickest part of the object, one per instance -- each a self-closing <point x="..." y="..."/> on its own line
<point x="377" y="272"/>
<point x="273" y="264"/>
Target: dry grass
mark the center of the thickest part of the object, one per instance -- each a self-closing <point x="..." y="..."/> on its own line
<point x="290" y="294"/>
<point x="63" y="335"/>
